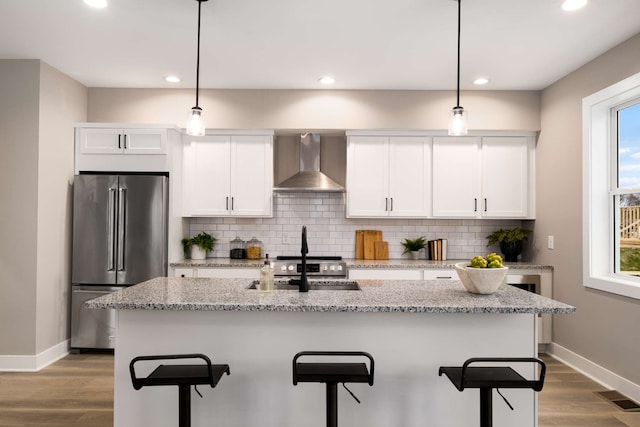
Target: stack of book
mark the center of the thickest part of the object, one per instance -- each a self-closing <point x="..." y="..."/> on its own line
<point x="437" y="250"/>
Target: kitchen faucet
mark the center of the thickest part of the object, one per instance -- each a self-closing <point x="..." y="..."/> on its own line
<point x="303" y="282"/>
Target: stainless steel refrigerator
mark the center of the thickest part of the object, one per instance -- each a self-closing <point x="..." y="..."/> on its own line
<point x="119" y="240"/>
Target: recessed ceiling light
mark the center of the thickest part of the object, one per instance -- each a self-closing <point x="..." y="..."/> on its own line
<point x="100" y="4"/>
<point x="172" y="79"/>
<point x="573" y="4"/>
<point x="327" y="80"/>
<point x="481" y="81"/>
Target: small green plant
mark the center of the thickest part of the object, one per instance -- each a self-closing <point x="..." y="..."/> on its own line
<point x="412" y="245"/>
<point x="203" y="240"/>
<point x="507" y="235"/>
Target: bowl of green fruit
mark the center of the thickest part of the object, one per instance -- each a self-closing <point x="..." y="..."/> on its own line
<point x="482" y="275"/>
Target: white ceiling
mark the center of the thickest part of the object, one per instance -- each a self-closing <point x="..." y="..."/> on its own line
<point x="278" y="44"/>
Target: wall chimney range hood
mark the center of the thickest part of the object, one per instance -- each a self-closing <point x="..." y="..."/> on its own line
<point x="309" y="179"/>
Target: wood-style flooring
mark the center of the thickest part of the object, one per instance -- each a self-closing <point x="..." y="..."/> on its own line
<point x="78" y="391"/>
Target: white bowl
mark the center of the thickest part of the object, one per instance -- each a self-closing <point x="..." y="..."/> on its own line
<point x="481" y="280"/>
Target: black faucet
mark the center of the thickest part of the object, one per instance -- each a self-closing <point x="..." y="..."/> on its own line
<point x="303" y="283"/>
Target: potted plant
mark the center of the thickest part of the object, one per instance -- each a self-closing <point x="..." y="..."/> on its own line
<point x="413" y="246"/>
<point x="198" y="246"/>
<point x="510" y="241"/>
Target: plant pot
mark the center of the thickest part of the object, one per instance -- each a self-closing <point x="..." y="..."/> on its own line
<point x="415" y="254"/>
<point x="511" y="250"/>
<point x="198" y="253"/>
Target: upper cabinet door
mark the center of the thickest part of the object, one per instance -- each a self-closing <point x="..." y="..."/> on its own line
<point x="505" y="177"/>
<point x="101" y="141"/>
<point x="145" y="141"/>
<point x="123" y="141"/>
<point x="456" y="177"/>
<point x="367" y="176"/>
<point x="207" y="183"/>
<point x="251" y="175"/>
<point x="227" y="175"/>
<point x="409" y="177"/>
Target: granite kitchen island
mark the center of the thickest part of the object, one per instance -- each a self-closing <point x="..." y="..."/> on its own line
<point x="410" y="327"/>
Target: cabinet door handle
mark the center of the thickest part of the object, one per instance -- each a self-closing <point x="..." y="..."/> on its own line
<point x="475" y="205"/>
<point x="391" y="204"/>
<point x="231" y="203"/>
<point x="485" y="204"/>
<point x="227" y="203"/>
<point x="386" y="203"/>
<point x="119" y="143"/>
<point x="125" y="142"/>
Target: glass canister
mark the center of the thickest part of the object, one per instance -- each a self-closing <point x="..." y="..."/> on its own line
<point x="254" y="248"/>
<point x="237" y="250"/>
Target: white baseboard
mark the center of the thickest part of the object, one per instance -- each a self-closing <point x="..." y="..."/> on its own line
<point x="597" y="373"/>
<point x="33" y="363"/>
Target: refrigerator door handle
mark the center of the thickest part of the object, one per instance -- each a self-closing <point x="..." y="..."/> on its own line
<point x="122" y="198"/>
<point x="111" y="240"/>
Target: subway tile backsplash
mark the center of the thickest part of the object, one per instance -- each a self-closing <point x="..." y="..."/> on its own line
<point x="331" y="233"/>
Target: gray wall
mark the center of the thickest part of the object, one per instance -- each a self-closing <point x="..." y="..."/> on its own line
<point x="605" y="327"/>
<point x="38" y="108"/>
<point x="63" y="102"/>
<point x="19" y="130"/>
<point x="317" y="109"/>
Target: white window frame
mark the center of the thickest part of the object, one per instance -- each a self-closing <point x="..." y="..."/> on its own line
<point x="598" y="133"/>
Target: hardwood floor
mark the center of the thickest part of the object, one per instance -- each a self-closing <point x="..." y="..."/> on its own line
<point x="75" y="391"/>
<point x="78" y="391"/>
<point x="568" y="400"/>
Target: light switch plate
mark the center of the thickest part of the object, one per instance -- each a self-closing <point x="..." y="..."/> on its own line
<point x="550" y="242"/>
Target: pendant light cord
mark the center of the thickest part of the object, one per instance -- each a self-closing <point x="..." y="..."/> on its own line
<point x="198" y="55"/>
<point x="458" y="91"/>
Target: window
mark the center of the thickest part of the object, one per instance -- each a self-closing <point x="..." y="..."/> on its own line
<point x="611" y="168"/>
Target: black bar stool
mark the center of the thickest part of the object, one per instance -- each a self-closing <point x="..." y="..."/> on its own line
<point x="332" y="374"/>
<point x="183" y="376"/>
<point x="486" y="378"/>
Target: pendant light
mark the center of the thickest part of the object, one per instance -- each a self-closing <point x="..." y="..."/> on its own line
<point x="195" y="123"/>
<point x="458" y="117"/>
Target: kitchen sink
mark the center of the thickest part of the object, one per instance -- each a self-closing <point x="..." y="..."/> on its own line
<point x="314" y="285"/>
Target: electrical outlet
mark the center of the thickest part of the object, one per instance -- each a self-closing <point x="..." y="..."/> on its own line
<point x="549" y="242"/>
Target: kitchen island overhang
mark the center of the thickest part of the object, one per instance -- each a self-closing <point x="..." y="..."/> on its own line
<point x="410" y="327"/>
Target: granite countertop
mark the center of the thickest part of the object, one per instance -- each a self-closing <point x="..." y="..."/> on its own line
<point x="351" y="263"/>
<point x="410" y="296"/>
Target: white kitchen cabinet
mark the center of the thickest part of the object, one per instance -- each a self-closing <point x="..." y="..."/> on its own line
<point x="228" y="175"/>
<point x="388" y="176"/>
<point x="456" y="177"/>
<point x="483" y="177"/>
<point x="440" y="274"/>
<point x="126" y="147"/>
<point x="122" y="141"/>
<point x="218" y="273"/>
<point x="384" y="274"/>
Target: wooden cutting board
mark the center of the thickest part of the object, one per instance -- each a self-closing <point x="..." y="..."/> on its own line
<point x="359" y="244"/>
<point x="381" y="250"/>
<point x="370" y="238"/>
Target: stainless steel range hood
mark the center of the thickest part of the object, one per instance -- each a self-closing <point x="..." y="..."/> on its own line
<point x="309" y="178"/>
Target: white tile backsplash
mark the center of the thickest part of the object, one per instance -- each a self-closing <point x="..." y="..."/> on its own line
<point x="330" y="233"/>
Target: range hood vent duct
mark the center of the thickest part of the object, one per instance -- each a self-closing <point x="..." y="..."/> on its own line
<point x="309" y="179"/>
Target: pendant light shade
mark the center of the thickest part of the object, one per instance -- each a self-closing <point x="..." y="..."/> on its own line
<point x="195" y="122"/>
<point x="458" y="117"/>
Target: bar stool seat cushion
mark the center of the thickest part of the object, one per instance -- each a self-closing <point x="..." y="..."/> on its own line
<point x="332" y="373"/>
<point x="184" y="375"/>
<point x="479" y="377"/>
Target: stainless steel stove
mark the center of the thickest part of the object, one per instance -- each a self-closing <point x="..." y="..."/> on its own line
<point x="317" y="266"/>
